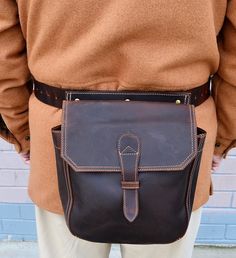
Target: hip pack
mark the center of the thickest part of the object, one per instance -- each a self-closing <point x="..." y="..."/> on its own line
<point x="127" y="165"/>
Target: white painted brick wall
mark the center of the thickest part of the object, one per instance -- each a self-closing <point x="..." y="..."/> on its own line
<point x="219" y="217"/>
<point x="13" y="175"/>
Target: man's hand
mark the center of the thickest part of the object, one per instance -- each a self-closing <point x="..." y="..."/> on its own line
<point x="26" y="157"/>
<point x="216" y="162"/>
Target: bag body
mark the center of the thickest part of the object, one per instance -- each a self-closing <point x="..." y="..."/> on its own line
<point x="127" y="170"/>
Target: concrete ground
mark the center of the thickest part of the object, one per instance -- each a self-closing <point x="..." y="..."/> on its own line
<point x="29" y="250"/>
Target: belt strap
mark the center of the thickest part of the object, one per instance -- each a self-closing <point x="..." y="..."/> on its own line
<point x="54" y="96"/>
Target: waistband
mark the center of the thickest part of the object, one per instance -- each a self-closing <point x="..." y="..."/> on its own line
<point x="54" y="96"/>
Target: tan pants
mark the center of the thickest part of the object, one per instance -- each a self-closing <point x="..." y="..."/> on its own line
<point x="55" y="241"/>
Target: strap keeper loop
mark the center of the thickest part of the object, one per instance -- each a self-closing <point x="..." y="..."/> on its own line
<point x="130" y="184"/>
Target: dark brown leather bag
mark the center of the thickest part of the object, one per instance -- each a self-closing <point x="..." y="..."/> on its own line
<point x="127" y="170"/>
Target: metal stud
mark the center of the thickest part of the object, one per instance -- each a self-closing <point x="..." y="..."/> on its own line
<point x="77" y="99"/>
<point x="127" y="99"/>
<point x="27" y="137"/>
<point x="177" y="101"/>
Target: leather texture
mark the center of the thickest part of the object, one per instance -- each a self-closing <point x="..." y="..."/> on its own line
<point x="129" y="154"/>
<point x="93" y="129"/>
<point x="127" y="171"/>
<point x="54" y="96"/>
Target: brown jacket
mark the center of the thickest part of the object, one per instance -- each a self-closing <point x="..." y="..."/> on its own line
<point x="114" y="45"/>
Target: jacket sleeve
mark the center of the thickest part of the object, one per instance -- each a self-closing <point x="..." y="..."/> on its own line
<point x="224" y="84"/>
<point x="15" y="79"/>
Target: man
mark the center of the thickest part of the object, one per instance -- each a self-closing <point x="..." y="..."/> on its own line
<point x="113" y="45"/>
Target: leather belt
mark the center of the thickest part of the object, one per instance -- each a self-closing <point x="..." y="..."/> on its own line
<point x="54" y="96"/>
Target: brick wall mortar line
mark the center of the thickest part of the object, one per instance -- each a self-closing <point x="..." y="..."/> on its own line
<point x="225" y="191"/>
<point x="206" y="209"/>
<point x="8" y="151"/>
<point x="18" y="220"/>
<point x="231" y="201"/>
<point x="18" y="187"/>
<point x="217" y="207"/>
<point x="225" y="231"/>
<point x="214" y="224"/>
<point x="224" y="174"/>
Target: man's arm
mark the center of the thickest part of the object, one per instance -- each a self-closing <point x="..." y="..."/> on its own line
<point x="15" y="80"/>
<point x="224" y="84"/>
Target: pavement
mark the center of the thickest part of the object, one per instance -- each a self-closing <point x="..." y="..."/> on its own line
<point x="30" y="250"/>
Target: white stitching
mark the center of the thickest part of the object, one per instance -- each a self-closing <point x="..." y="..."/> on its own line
<point x="196" y="162"/>
<point x="132" y="93"/>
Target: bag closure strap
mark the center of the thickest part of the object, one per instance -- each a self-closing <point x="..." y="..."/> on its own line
<point x="129" y="154"/>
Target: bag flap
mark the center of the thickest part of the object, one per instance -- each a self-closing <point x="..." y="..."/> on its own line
<point x="91" y="131"/>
